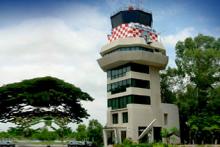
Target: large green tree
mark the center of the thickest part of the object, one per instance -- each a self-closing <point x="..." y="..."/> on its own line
<point x="81" y="132"/>
<point x="46" y="97"/>
<point x="94" y="130"/>
<point x="194" y="85"/>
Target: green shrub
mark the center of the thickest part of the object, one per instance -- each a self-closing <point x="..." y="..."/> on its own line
<point x="142" y="145"/>
<point x="130" y="144"/>
<point x="127" y="142"/>
<point x="45" y="135"/>
<point x="118" y="145"/>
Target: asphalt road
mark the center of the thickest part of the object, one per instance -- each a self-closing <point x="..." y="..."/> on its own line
<point x="38" y="145"/>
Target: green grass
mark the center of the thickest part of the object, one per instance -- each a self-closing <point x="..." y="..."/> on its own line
<point x="41" y="142"/>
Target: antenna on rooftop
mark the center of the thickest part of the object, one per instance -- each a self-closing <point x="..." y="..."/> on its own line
<point x="135" y="3"/>
<point x="128" y="4"/>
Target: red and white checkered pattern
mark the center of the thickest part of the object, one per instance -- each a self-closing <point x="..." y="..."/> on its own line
<point x="153" y="36"/>
<point x="124" y="31"/>
<point x="128" y="30"/>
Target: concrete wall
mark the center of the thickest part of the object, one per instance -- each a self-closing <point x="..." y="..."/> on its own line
<point x="155" y="94"/>
<point x="173" y="115"/>
<point x="141" y="57"/>
<point x="143" y="115"/>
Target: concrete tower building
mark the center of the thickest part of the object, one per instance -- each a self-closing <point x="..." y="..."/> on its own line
<point x="132" y="59"/>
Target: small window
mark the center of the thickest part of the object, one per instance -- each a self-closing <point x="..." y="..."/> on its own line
<point x="114" y="104"/>
<point x="165" y="118"/>
<point x="124" y="83"/>
<point x="125" y="117"/>
<point x="115" y="118"/>
<point x="128" y="83"/>
<point x="109" y="73"/>
<point x="113" y="86"/>
<point x="121" y="102"/>
<point x="124" y="104"/>
<point x="148" y="84"/>
<point x="123" y="135"/>
<point x="128" y="68"/>
<point x="124" y="69"/>
<point x="109" y="103"/>
<point x="120" y="83"/>
<point x="109" y="87"/>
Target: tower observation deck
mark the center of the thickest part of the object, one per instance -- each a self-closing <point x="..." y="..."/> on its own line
<point x="136" y="16"/>
<point x="132" y="59"/>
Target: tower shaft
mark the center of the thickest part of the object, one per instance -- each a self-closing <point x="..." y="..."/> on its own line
<point x="132" y="59"/>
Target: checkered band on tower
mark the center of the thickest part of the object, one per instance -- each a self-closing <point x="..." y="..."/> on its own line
<point x="130" y="30"/>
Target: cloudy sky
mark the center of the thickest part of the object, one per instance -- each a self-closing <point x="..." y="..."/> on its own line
<point x="62" y="38"/>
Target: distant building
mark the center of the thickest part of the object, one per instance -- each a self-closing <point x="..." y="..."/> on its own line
<point x="132" y="59"/>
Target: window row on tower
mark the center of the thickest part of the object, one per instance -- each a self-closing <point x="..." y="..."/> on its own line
<point x="121" y="70"/>
<point x="121" y="86"/>
<point x="121" y="102"/>
<point x="133" y="48"/>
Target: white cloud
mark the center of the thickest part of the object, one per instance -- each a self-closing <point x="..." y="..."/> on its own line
<point x="172" y="39"/>
<point x="59" y="47"/>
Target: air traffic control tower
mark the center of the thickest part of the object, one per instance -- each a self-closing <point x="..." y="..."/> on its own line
<point x="132" y="60"/>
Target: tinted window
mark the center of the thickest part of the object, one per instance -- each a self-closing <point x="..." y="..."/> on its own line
<point x="121" y="70"/>
<point x="136" y="16"/>
<point x="115" y="118"/>
<point x="121" y="102"/>
<point x="121" y="86"/>
<point x="125" y="117"/>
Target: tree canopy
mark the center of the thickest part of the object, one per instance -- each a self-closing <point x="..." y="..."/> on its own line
<point x="194" y="85"/>
<point x="92" y="132"/>
<point x="45" y="97"/>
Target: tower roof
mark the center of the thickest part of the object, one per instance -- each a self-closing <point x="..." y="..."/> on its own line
<point x="132" y="15"/>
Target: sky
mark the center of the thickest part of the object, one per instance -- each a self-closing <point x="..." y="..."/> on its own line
<point x="62" y="38"/>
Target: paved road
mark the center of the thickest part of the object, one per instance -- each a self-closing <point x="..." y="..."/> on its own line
<point x="34" y="145"/>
